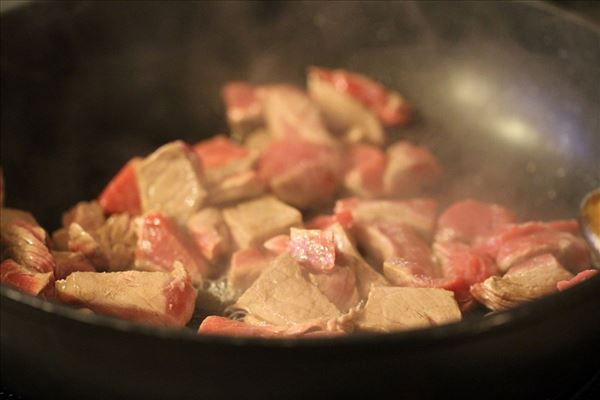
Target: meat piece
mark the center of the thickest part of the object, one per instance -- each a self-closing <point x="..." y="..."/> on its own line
<point x="219" y="151"/>
<point x="347" y="256"/>
<point x="110" y="247"/>
<point x="389" y="106"/>
<point x="471" y="220"/>
<point x="313" y="249"/>
<point x="122" y="194"/>
<point x="527" y="281"/>
<point x="570" y="250"/>
<point x="171" y="182"/>
<point x="151" y="297"/>
<point x="245" y="268"/>
<point x="339" y="286"/>
<point x="277" y="244"/>
<point x="242" y="186"/>
<point x="209" y="232"/>
<point x="25" y="243"/>
<point x="324" y="221"/>
<point x="417" y="213"/>
<point x="580" y="277"/>
<point x="161" y="243"/>
<point x="383" y="241"/>
<point x="60" y="239"/>
<point x="364" y="175"/>
<point x="402" y="308"/>
<point x="253" y="222"/>
<point x="343" y="112"/>
<point x="24" y="279"/>
<point x="243" y="107"/>
<point x="293" y="168"/>
<point x="410" y="170"/>
<point x="463" y="266"/>
<point x="283" y="296"/>
<point x="288" y="112"/>
<point x="8" y="215"/>
<point x="258" y="141"/>
<point x="88" y="214"/>
<point x="215" y="325"/>
<point x="68" y="262"/>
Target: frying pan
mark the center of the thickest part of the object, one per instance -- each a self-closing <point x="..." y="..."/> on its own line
<point x="506" y="94"/>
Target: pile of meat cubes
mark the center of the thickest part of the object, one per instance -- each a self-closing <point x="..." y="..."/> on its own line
<point x="300" y="224"/>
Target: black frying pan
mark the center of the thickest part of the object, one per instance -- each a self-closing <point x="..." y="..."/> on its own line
<point x="507" y="95"/>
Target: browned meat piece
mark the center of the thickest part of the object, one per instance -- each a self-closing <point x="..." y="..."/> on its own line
<point x="253" y="222"/>
<point x="60" y="240"/>
<point x="245" y="268"/>
<point x="25" y="279"/>
<point x="283" y="296"/>
<point x="152" y="297"/>
<point x="417" y="213"/>
<point x="88" y="214"/>
<point x="527" y="281"/>
<point x="171" y="181"/>
<point x="258" y="141"/>
<point x="215" y="325"/>
<point x="161" y="242"/>
<point x="68" y="262"/>
<point x="289" y="112"/>
<point x="209" y="232"/>
<point x="25" y="243"/>
<point x="470" y="221"/>
<point x="277" y="244"/>
<point x="110" y="247"/>
<point x="339" y="286"/>
<point x="222" y="158"/>
<point x="344" y="113"/>
<point x="410" y="170"/>
<point x="401" y="308"/>
<point x="347" y="256"/>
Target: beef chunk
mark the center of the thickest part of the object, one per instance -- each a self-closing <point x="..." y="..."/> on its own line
<point x="401" y="308"/>
<point x="152" y="297"/>
<point x="339" y="286"/>
<point x="210" y="234"/>
<point x="289" y="112"/>
<point x="161" y="242"/>
<point x="313" y="249"/>
<point x="25" y="243"/>
<point x="243" y="107"/>
<point x="253" y="222"/>
<point x="245" y="268"/>
<point x="283" y="296"/>
<point x="516" y="243"/>
<point x="527" y="281"/>
<point x="410" y="170"/>
<point x="580" y="277"/>
<point x="293" y="168"/>
<point x="215" y="325"/>
<point x="88" y="214"/>
<point x="68" y="262"/>
<point x="471" y="220"/>
<point x="389" y="106"/>
<point x="171" y="182"/>
<point x="110" y="247"/>
<point x="25" y="279"/>
<point x="8" y="215"/>
<point x="122" y="194"/>
<point x="364" y="174"/>
<point x="242" y="186"/>
<point x="343" y="112"/>
<point x="417" y="213"/>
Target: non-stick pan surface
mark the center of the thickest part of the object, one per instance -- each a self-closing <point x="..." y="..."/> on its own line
<point x="506" y="94"/>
